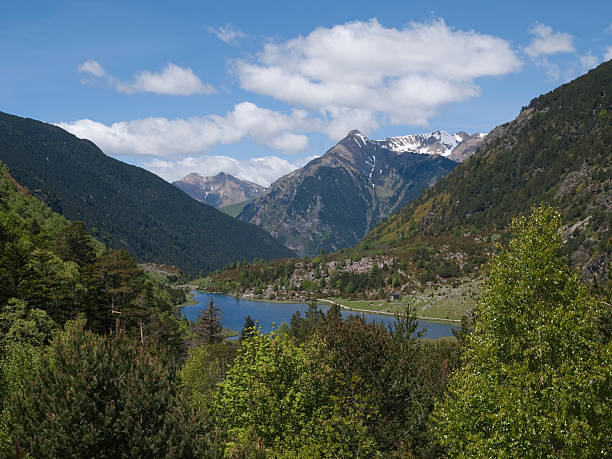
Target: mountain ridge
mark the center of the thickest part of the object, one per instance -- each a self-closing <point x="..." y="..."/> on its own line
<point x="557" y="151"/>
<point x="125" y="206"/>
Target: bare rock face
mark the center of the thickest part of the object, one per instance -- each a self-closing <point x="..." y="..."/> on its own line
<point x="334" y="200"/>
<point x="219" y="190"/>
<point x="468" y="146"/>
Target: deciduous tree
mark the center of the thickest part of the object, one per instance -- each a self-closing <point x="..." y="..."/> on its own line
<point x="535" y="380"/>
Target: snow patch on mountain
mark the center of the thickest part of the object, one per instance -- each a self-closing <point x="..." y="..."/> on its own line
<point x="431" y="143"/>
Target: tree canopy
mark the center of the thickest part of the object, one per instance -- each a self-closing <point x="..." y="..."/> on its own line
<point x="535" y="379"/>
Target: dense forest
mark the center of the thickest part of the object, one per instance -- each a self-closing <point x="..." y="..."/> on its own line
<point x="124" y="206"/>
<point x="93" y="362"/>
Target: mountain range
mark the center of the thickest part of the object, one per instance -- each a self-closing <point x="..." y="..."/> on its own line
<point x="334" y="200"/>
<point x="456" y="147"/>
<point x="219" y="190"/>
<point x="557" y="152"/>
<point x="125" y="206"/>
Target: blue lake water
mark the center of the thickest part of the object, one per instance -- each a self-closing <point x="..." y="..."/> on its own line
<point x="269" y="315"/>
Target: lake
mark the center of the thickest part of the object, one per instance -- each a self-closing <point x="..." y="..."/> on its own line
<point x="267" y="314"/>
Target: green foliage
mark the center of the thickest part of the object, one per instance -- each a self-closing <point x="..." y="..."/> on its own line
<point x="279" y="396"/>
<point x="536" y="378"/>
<point x="20" y="324"/>
<point x="56" y="267"/>
<point x="22" y="332"/>
<point x="19" y="364"/>
<point x="104" y="397"/>
<point x="124" y="206"/>
<point x="75" y="244"/>
<point x="204" y="369"/>
<point x="333" y="388"/>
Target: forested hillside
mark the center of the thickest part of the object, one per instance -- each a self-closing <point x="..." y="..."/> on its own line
<point x="558" y="151"/>
<point x="125" y="206"/>
<point x="54" y="266"/>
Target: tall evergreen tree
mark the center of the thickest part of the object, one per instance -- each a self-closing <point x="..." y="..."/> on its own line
<point x="208" y="329"/>
<point x="73" y="243"/>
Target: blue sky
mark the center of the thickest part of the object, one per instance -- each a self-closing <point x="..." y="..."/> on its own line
<point x="257" y="88"/>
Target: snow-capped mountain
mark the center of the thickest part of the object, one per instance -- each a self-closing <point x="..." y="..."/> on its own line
<point x="432" y="143"/>
<point x="218" y="190"/>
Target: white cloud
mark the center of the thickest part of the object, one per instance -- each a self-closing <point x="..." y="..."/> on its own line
<point x="588" y="61"/>
<point x="262" y="170"/>
<point x="289" y="143"/>
<point x="229" y="33"/>
<point x="361" y="73"/>
<point x="548" y="42"/>
<point x="92" y="67"/>
<point x="608" y="54"/>
<point x="171" y="80"/>
<point x="181" y="137"/>
<point x="553" y="71"/>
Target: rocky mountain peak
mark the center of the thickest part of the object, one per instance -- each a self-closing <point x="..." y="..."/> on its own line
<point x="355" y="133"/>
<point x="218" y="190"/>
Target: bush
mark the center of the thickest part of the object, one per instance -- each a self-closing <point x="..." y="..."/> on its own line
<point x="104" y="396"/>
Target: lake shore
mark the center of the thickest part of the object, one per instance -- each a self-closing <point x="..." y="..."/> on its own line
<point x="323" y="302"/>
<point x="388" y="313"/>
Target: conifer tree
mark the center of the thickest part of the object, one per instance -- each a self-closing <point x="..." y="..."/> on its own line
<point x="73" y="243"/>
<point x="208" y="329"/>
<point x="104" y="396"/>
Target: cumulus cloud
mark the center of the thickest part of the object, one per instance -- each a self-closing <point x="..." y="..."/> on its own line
<point x="171" y="80"/>
<point x="588" y="61"/>
<point x="289" y="143"/>
<point x="262" y="170"/>
<point x="547" y="42"/>
<point x="608" y="53"/>
<point x="362" y="72"/>
<point x="181" y="137"/>
<point x="229" y="33"/>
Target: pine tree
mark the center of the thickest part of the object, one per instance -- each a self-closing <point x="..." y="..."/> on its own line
<point x="73" y="243"/>
<point x="105" y="396"/>
<point x="208" y="329"/>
